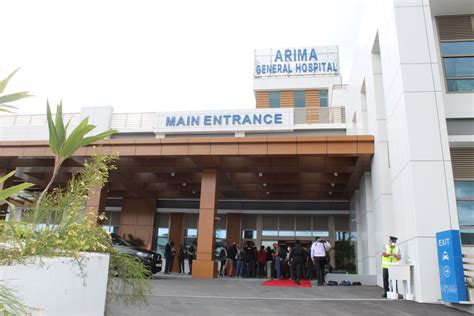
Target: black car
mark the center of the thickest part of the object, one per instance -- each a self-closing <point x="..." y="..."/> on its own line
<point x="151" y="260"/>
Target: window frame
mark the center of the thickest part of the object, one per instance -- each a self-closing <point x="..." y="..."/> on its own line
<point x="303" y="93"/>
<point x="447" y="56"/>
<point x="468" y="199"/>
<point x="325" y="97"/>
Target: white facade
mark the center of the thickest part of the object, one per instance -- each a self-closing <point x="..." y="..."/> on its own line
<point x="397" y="94"/>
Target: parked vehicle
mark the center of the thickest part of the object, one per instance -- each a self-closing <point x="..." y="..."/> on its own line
<point x="150" y="259"/>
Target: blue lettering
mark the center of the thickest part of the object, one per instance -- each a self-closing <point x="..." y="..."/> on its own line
<point x="258" y="70"/>
<point x="278" y="118"/>
<point x="329" y="67"/>
<point x="287" y="55"/>
<point x="324" y="66"/>
<point x="257" y="119"/>
<point x="235" y="119"/>
<point x="278" y="56"/>
<point x="315" y="67"/>
<point x="273" y="68"/>
<point x="207" y="120"/>
<point x="298" y="68"/>
<point x="304" y="67"/>
<point x="180" y="121"/>
<point x="264" y="69"/>
<point x="217" y="120"/>
<point x="312" y="55"/>
<point x="280" y="67"/>
<point x="302" y="55"/>
<point x="246" y="120"/>
<point x="227" y="118"/>
<point x="310" y="67"/>
<point x="171" y="121"/>
<point x="334" y="67"/>
<point x="267" y="119"/>
<point x="195" y="120"/>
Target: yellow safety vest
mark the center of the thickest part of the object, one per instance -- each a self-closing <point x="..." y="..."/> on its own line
<point x="387" y="261"/>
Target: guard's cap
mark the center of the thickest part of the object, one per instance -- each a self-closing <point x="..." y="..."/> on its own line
<point x="394" y="239"/>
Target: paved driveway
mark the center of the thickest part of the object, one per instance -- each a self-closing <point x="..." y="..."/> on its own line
<point x="175" y="295"/>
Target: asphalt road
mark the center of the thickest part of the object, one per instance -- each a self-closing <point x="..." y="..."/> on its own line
<point x="175" y="295"/>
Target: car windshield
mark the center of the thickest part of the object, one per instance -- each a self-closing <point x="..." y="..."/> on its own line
<point x="116" y="240"/>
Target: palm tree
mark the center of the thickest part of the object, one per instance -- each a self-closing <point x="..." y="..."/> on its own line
<point x="64" y="146"/>
<point x="7" y="98"/>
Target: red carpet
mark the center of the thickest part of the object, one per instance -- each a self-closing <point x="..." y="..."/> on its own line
<point x="286" y="282"/>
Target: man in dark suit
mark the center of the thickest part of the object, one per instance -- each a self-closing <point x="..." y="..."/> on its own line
<point x="297" y="260"/>
<point x="168" y="250"/>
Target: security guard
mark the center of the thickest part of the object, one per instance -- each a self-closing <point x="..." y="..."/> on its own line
<point x="390" y="255"/>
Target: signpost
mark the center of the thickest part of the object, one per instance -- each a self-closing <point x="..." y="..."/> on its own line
<point x="451" y="272"/>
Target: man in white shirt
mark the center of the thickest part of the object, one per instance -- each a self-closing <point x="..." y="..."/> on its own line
<point x="319" y="250"/>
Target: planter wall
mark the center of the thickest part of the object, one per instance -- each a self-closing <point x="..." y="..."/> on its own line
<point x="57" y="286"/>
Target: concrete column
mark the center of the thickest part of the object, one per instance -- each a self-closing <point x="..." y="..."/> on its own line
<point x="176" y="235"/>
<point x="204" y="267"/>
<point x="95" y="204"/>
<point x="234" y="228"/>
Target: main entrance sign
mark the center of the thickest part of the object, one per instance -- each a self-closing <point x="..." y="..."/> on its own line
<point x="305" y="61"/>
<point x="231" y="121"/>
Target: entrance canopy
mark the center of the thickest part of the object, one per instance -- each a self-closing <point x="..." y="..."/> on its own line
<point x="252" y="168"/>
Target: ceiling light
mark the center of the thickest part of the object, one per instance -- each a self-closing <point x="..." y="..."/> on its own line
<point x="184" y="184"/>
<point x="330" y="192"/>
<point x="264" y="184"/>
<point x="268" y="192"/>
<point x="194" y="192"/>
<point x="260" y="174"/>
<point x="333" y="185"/>
<point x="335" y="174"/>
<point x="172" y="174"/>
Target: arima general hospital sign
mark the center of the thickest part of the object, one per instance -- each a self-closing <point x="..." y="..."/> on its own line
<point x="305" y="61"/>
<point x="226" y="121"/>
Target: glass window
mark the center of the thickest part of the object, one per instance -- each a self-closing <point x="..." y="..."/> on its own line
<point x="269" y="233"/>
<point x="286" y="233"/>
<point x="457" y="48"/>
<point x="323" y="98"/>
<point x="303" y="233"/>
<point x="467" y="236"/>
<point x="300" y="99"/>
<point x="274" y="99"/>
<point x="464" y="189"/>
<point x="466" y="213"/>
<point x="221" y="233"/>
<point x="321" y="234"/>
<point x="458" y="61"/>
<point x="190" y="233"/>
<point x="462" y="85"/>
<point x="459" y="67"/>
<point x="249" y="234"/>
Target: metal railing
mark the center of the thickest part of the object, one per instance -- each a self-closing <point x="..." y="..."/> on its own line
<point x="329" y="115"/>
<point x="135" y="121"/>
<point x="35" y="119"/>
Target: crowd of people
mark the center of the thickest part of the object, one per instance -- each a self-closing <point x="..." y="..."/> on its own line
<point x="277" y="262"/>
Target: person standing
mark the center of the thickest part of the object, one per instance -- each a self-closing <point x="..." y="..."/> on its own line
<point x="167" y="257"/>
<point x="181" y="259"/>
<point x="240" y="262"/>
<point x="390" y="255"/>
<point x="269" y="262"/>
<point x="222" y="260"/>
<point x="231" y="254"/>
<point x="282" y="254"/>
<point x="173" y="254"/>
<point x="250" y="260"/>
<point x="276" y="257"/>
<point x="191" y="254"/>
<point x="319" y="250"/>
<point x="261" y="260"/>
<point x="297" y="261"/>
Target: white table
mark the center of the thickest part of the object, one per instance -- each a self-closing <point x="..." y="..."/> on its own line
<point x="398" y="274"/>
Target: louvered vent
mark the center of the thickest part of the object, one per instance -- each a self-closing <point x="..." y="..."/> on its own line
<point x="458" y="27"/>
<point x="463" y="163"/>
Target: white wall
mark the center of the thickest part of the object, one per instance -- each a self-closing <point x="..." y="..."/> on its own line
<point x="412" y="183"/>
<point x="55" y="286"/>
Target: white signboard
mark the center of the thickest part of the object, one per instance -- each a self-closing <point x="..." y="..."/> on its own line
<point x="303" y="61"/>
<point x="226" y="121"/>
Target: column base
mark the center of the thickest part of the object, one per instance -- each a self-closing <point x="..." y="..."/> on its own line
<point x="204" y="269"/>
